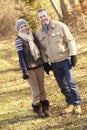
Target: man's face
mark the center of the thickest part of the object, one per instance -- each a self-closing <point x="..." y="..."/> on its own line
<point x="43" y="17"/>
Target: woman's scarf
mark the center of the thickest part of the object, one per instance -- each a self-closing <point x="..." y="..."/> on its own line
<point x="33" y="48"/>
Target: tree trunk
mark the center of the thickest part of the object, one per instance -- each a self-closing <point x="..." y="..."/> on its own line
<point x="69" y="11"/>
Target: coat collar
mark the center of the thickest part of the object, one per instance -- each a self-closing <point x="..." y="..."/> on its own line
<point x="52" y="25"/>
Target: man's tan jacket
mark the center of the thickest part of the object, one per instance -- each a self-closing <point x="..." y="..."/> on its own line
<point x="58" y="43"/>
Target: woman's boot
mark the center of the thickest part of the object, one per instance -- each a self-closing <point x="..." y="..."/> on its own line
<point x="38" y="110"/>
<point x="45" y="106"/>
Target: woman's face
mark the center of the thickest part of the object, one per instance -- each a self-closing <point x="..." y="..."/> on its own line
<point x="24" y="28"/>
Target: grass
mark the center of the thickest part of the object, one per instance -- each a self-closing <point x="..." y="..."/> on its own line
<point x="16" y="98"/>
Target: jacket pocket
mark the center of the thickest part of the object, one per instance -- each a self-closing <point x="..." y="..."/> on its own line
<point x="41" y="37"/>
<point x="42" y="40"/>
<point x="56" y="37"/>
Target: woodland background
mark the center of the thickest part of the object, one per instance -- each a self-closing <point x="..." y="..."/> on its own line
<point x="72" y="12"/>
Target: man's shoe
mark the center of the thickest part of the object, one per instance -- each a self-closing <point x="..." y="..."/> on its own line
<point x="77" y="109"/>
<point x="69" y="109"/>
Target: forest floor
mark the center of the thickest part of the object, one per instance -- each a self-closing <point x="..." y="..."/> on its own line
<point x="15" y="95"/>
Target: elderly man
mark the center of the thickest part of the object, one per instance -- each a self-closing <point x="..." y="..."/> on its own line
<point x="58" y="45"/>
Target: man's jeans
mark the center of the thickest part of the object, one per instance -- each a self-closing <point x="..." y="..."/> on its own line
<point x="63" y="74"/>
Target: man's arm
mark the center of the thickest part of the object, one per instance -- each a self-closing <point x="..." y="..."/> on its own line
<point x="70" y="40"/>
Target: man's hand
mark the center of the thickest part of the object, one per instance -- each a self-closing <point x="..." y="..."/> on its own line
<point x="25" y="76"/>
<point x="73" y="60"/>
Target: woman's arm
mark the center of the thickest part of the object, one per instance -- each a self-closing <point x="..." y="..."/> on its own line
<point x="19" y="48"/>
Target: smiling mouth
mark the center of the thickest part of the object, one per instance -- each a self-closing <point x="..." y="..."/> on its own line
<point x="45" y="20"/>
